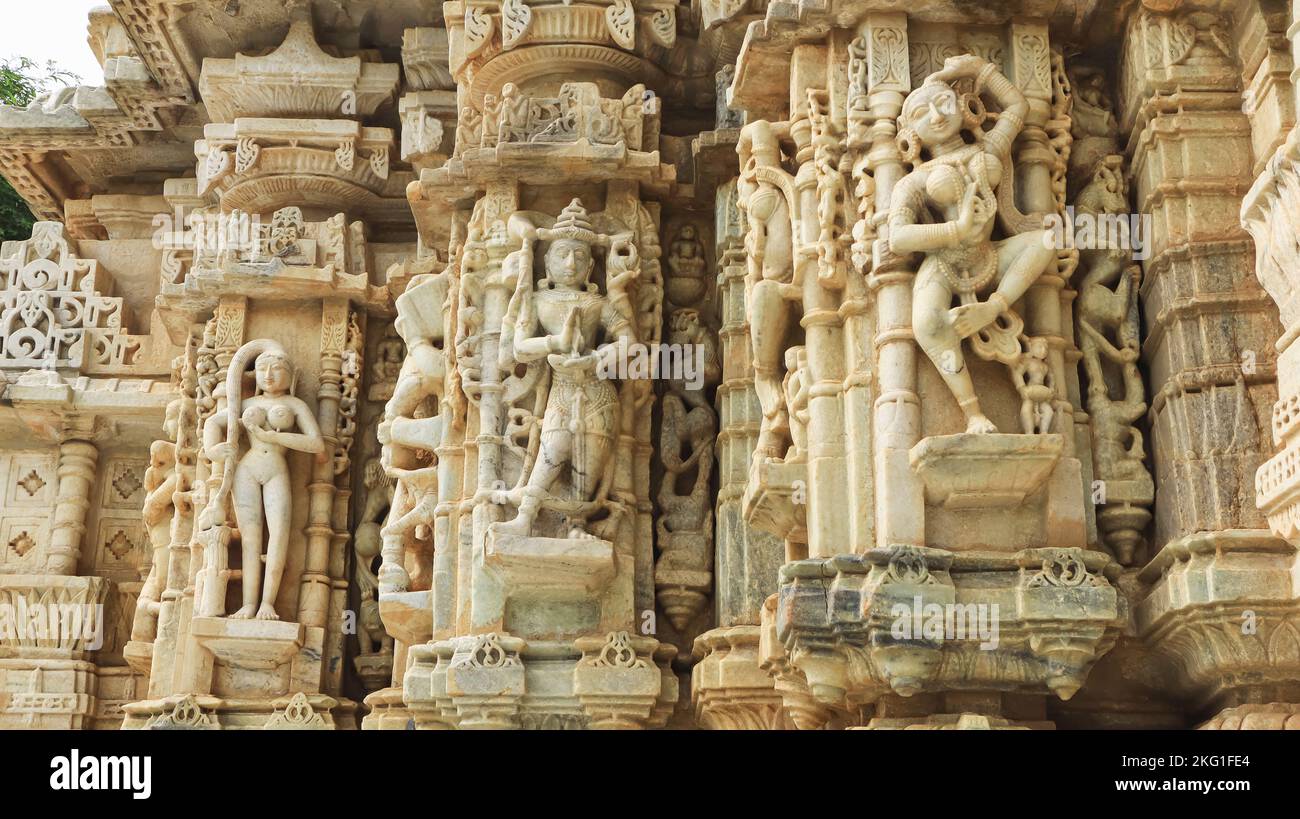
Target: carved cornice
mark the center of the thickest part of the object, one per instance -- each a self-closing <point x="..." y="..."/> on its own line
<point x="145" y="78"/>
<point x="838" y="621"/>
<point x="298" y="79"/>
<point x="729" y="688"/>
<point x="1224" y="614"/>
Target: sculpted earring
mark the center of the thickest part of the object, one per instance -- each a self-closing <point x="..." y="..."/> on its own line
<point x="909" y="145"/>
<point x="973" y="112"/>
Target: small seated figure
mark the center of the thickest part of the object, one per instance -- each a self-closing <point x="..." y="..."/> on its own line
<point x="389" y="355"/>
<point x="686" y="280"/>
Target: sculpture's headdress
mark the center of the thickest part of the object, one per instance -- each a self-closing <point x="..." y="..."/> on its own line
<point x="928" y="90"/>
<point x="969" y="107"/>
<point x="573" y="223"/>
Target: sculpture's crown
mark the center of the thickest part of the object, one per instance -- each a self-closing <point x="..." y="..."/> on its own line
<point x="574" y="223"/>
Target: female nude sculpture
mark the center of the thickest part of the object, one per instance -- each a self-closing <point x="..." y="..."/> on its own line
<point x="258" y="480"/>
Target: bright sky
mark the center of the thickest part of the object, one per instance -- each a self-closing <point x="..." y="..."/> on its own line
<point x="51" y="30"/>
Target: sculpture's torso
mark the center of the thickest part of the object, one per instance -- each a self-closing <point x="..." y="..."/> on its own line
<point x="576" y="394"/>
<point x="264" y="461"/>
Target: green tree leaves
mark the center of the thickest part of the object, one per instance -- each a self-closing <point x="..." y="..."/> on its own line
<point x="21" y="80"/>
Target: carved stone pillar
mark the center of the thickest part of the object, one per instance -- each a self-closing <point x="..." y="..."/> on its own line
<point x="1261" y="693"/>
<point x="843" y="636"/>
<point x="817" y="181"/>
<point x="253" y="619"/>
<point x="747" y="557"/>
<point x="523" y="501"/>
<point x="1209" y="352"/>
<point x="340" y="363"/>
<point x="76" y="471"/>
<point x="729" y="687"/>
<point x="900" y="507"/>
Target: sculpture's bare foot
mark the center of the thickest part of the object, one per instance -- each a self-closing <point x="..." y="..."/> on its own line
<point x="578" y="533"/>
<point x="519" y="526"/>
<point x="246" y="613"/>
<point x="767" y="452"/>
<point x="968" y="319"/>
<point x="267" y="612"/>
<point x="393" y="578"/>
<point x="769" y="391"/>
<point x="770" y="443"/>
<point x="980" y="425"/>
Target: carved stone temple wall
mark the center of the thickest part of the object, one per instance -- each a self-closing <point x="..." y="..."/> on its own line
<point x="779" y="364"/>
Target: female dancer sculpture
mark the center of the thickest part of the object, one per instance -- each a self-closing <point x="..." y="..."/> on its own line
<point x="955" y="182"/>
